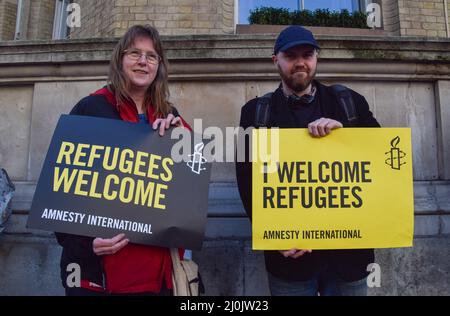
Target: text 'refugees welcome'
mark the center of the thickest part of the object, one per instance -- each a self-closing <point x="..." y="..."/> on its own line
<point x="111" y="173"/>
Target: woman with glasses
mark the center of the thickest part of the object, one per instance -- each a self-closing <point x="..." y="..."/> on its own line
<point x="137" y="91"/>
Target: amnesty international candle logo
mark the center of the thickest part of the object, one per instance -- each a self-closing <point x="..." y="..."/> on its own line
<point x="395" y="155"/>
<point x="103" y="177"/>
<point x="197" y="162"/>
<point x="334" y="192"/>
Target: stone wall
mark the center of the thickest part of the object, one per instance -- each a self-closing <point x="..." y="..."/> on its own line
<point x="111" y="18"/>
<point x="107" y="18"/>
<point x="30" y="266"/>
<point x="178" y="17"/>
<point x="8" y="10"/>
<point x="422" y="18"/>
<point x="97" y="19"/>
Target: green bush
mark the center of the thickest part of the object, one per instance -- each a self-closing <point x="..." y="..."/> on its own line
<point x="266" y="15"/>
<point x="320" y="17"/>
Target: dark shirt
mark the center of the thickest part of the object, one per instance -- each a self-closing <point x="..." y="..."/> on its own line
<point x="305" y="113"/>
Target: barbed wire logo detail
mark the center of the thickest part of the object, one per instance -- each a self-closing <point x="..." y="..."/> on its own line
<point x="395" y="155"/>
<point x="197" y="160"/>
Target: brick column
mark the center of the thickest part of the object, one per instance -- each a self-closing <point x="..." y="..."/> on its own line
<point x="8" y="9"/>
<point x="422" y="18"/>
<point x="391" y="19"/>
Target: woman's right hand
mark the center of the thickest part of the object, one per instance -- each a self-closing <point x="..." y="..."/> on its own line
<point x="110" y="246"/>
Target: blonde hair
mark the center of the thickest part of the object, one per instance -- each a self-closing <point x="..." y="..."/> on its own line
<point x="157" y="94"/>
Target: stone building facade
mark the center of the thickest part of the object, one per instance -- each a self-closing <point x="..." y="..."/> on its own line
<point x="406" y="82"/>
<point x="213" y="72"/>
<point x="111" y="18"/>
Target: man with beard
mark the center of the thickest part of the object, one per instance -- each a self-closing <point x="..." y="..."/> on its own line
<point x="302" y="102"/>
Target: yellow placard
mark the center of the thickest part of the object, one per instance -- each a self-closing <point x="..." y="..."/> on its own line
<point x="350" y="189"/>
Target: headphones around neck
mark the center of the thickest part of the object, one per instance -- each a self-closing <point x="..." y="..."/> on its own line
<point x="304" y="99"/>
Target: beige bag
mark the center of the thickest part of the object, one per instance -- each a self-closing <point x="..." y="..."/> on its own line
<point x="185" y="276"/>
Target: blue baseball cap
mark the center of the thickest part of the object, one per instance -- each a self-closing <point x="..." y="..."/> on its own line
<point x="292" y="36"/>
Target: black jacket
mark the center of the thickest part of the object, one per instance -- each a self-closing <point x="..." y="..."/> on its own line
<point x="350" y="264"/>
<point x="78" y="249"/>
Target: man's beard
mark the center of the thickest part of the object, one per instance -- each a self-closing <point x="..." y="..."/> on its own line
<point x="297" y="85"/>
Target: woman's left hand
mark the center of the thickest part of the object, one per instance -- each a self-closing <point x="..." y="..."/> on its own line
<point x="165" y="123"/>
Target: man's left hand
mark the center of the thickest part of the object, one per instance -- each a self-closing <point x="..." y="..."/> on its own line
<point x="323" y="126"/>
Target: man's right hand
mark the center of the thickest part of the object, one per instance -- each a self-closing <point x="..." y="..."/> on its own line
<point x="294" y="253"/>
<point x="110" y="246"/>
<point x="323" y="126"/>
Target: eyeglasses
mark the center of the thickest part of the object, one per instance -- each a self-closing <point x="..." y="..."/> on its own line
<point x="136" y="54"/>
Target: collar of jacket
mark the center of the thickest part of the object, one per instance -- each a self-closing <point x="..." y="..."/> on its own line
<point x="127" y="110"/>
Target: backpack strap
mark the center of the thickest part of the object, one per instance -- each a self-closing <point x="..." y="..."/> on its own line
<point x="263" y="110"/>
<point x="345" y="100"/>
